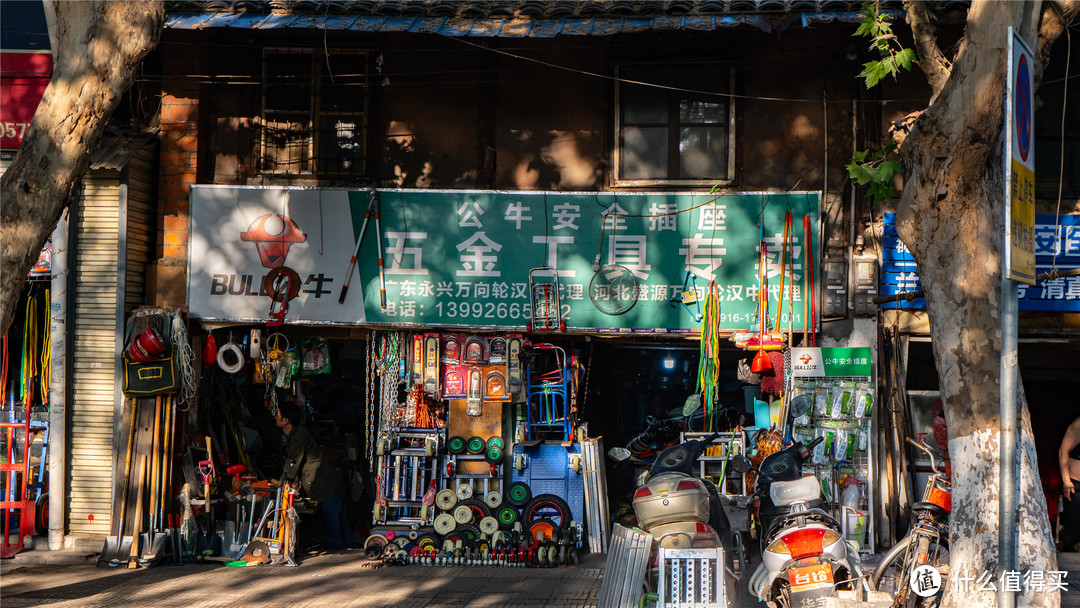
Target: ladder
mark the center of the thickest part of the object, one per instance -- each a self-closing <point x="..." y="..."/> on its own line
<point x="14" y="478"/>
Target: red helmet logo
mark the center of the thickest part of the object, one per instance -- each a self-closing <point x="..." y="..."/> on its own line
<point x="273" y="241"/>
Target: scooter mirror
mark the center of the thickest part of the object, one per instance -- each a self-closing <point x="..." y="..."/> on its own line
<point x="799" y="406"/>
<point x="618" y="454"/>
<point x="741" y="464"/>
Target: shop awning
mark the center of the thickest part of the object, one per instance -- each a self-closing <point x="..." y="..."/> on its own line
<point x="511" y="27"/>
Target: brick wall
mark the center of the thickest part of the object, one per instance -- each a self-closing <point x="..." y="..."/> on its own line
<point x="179" y="166"/>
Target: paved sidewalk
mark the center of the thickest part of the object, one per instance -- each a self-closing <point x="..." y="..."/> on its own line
<point x="330" y="580"/>
<point x="69" y="579"/>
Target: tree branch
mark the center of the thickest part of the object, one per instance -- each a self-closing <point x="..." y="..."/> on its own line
<point x="932" y="61"/>
<point x="1056" y="17"/>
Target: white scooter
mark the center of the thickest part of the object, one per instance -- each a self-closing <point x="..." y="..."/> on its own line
<point x="683" y="511"/>
<point x="804" y="555"/>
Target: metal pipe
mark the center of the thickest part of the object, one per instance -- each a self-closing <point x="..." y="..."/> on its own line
<point x="58" y="390"/>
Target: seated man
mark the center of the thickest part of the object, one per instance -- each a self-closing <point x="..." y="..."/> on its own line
<point x="317" y="477"/>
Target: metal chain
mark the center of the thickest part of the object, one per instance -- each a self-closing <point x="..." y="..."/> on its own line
<point x="369" y="436"/>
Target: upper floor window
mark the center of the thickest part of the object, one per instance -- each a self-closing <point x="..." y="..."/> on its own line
<point x="314" y="112"/>
<point x="674" y="125"/>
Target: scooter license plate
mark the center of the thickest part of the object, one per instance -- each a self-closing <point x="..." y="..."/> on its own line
<point x="811" y="577"/>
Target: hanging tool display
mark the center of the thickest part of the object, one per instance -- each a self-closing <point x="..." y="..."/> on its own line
<point x="373" y="209"/>
<point x="709" y="360"/>
<point x="688" y="295"/>
<point x="546" y="310"/>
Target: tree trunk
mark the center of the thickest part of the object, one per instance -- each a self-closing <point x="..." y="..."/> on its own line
<point x="951" y="217"/>
<point x="100" y="45"/>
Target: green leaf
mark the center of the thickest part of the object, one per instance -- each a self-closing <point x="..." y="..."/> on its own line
<point x="905" y="58"/>
<point x="873" y="72"/>
<point x="860" y="174"/>
<point x="859" y="156"/>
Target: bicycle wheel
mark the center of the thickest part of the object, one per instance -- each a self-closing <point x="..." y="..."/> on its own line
<point x="893" y="574"/>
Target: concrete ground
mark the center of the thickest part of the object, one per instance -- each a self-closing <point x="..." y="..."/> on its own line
<point x="330" y="579"/>
<point x="62" y="579"/>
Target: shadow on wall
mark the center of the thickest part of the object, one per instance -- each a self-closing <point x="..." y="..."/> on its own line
<point x="554" y="160"/>
<point x="551" y="160"/>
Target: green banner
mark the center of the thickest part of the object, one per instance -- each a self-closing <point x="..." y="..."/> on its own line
<point x="466" y="258"/>
<point x="832" y="362"/>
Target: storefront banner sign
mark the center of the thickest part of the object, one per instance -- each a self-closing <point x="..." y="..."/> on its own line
<point x="831" y="362"/>
<point x="465" y="258"/>
<point x="1057" y="245"/>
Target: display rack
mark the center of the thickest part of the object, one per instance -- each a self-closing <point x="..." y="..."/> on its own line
<point x="843" y="410"/>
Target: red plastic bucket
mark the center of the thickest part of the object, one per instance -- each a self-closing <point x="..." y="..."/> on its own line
<point x="146" y="346"/>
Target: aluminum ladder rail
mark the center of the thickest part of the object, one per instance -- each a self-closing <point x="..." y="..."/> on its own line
<point x="627" y="564"/>
<point x="598" y="525"/>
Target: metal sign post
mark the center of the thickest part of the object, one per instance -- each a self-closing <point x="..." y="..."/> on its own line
<point x="1018" y="265"/>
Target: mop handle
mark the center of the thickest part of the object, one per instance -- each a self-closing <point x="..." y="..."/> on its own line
<point x="356" y="251"/>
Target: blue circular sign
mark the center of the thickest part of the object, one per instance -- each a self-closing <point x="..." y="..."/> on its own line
<point x="1022" y="107"/>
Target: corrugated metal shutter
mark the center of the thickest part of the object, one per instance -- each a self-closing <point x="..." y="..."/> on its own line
<point x="93" y="407"/>
<point x="141" y="235"/>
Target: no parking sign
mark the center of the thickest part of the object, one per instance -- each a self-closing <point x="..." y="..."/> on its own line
<point x="1020" y="164"/>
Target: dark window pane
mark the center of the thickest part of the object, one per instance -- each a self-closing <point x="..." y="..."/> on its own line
<point x="644" y="153"/>
<point x="703" y="152"/>
<point x="344" y="82"/>
<point x="699" y="112"/>
<point x="644" y="105"/>
<point x="288" y="81"/>
<point x="341" y="145"/>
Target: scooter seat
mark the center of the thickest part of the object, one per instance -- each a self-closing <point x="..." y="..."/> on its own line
<point x="785" y="493"/>
<point x="799" y="519"/>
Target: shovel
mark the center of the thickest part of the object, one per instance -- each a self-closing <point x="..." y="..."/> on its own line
<point x="208" y="544"/>
<point x="113" y="549"/>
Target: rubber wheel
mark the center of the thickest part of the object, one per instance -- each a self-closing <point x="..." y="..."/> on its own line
<point x="495" y="441"/>
<point x="374" y="545"/>
<point x="489" y="525"/>
<point x="476" y="445"/>
<point x="547" y="506"/>
<point x="428" y="541"/>
<point x="493" y="499"/>
<point x="890" y="575"/>
<point x="471" y="533"/>
<point x="507" y="516"/>
<point x="519" y="494"/>
<point x="446" y="499"/>
<point x="464" y="491"/>
<point x="444" y="524"/>
<point x="455" y="445"/>
<point x="493" y="455"/>
<point x="41" y="515"/>
<point x="542" y="526"/>
<point x="474" y="509"/>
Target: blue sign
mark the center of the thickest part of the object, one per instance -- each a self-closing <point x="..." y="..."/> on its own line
<point x="899" y="273"/>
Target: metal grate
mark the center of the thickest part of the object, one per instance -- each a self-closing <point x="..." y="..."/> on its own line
<point x="691" y="578"/>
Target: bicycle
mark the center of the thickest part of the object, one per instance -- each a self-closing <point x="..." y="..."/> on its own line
<point x="927" y="543"/>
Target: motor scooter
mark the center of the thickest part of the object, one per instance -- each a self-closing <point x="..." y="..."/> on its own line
<point x="804" y="554"/>
<point x="683" y="511"/>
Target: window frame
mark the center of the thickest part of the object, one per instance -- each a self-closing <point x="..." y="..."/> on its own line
<point x="619" y="181"/>
<point x="316" y="115"/>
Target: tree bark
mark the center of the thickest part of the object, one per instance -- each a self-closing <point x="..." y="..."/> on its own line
<point x="951" y="216"/>
<point x="100" y="45"/>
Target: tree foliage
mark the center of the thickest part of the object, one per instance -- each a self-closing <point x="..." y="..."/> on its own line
<point x="892" y="56"/>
